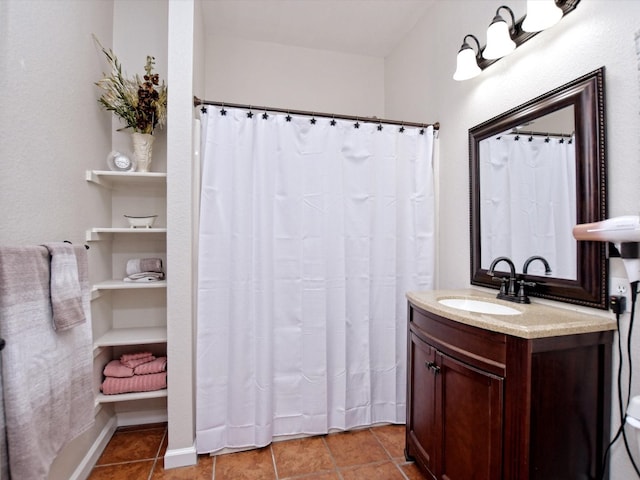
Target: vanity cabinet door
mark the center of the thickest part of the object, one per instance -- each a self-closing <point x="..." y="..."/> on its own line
<point x="471" y="408"/>
<point x="422" y="424"/>
<point x="455" y="416"/>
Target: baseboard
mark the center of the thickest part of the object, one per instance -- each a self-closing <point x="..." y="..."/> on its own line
<point x="142" y="417"/>
<point x="84" y="468"/>
<point x="180" y="457"/>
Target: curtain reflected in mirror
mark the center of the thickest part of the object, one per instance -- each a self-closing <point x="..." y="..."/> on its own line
<point x="528" y="194"/>
<point x="535" y="171"/>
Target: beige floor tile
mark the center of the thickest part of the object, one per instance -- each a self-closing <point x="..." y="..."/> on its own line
<point x="392" y="438"/>
<point x="368" y="454"/>
<point x="202" y="471"/>
<point x="384" y="471"/>
<point x="355" y="448"/>
<point x="301" y="456"/>
<point x="126" y="446"/>
<point x="412" y="473"/>
<point x="123" y="471"/>
<point x="250" y="465"/>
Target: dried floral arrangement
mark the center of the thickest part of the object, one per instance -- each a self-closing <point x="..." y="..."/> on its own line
<point x="141" y="103"/>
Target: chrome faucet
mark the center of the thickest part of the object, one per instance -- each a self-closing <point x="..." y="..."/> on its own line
<point x="510" y="292"/>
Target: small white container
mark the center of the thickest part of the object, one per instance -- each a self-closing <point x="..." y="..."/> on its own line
<point x="145" y="221"/>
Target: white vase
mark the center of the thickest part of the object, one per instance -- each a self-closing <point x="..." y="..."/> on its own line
<point x="142" y="150"/>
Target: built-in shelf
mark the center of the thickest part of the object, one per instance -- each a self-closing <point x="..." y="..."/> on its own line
<point x="122" y="285"/>
<point x="132" y="336"/>
<point x="109" y="179"/>
<point x="98" y="233"/>
<point x="126" y="397"/>
<point x="127" y="183"/>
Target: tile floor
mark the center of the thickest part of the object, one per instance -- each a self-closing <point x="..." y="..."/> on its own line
<point x="377" y="453"/>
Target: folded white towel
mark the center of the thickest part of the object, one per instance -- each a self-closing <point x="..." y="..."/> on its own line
<point x="140" y="265"/>
<point x="144" y="277"/>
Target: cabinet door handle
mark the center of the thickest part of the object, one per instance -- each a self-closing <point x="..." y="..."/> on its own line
<point x="433" y="367"/>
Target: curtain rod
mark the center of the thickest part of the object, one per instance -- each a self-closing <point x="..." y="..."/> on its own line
<point x="197" y="102"/>
<point x="533" y="133"/>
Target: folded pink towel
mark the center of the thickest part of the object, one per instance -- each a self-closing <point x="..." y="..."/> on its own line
<point x="115" y="368"/>
<point x="155" y="366"/>
<point x="134" y="356"/>
<point x="138" y="361"/>
<point x="137" y="383"/>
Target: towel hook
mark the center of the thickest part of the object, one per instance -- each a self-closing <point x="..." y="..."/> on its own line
<point x="70" y="243"/>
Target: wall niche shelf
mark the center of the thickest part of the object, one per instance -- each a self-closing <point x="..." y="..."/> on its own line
<point x="141" y="311"/>
<point x="109" y="179"/>
<point x="131" y="336"/>
<point x="122" y="285"/>
<point x="101" y="233"/>
<point x="127" y="397"/>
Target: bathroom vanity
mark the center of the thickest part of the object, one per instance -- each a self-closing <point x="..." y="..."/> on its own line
<point x="517" y="396"/>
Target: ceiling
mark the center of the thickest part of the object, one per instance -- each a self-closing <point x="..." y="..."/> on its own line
<point x="361" y="27"/>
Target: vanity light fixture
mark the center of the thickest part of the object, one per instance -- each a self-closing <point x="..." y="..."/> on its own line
<point x="502" y="39"/>
<point x="499" y="42"/>
<point x="467" y="60"/>
<point x="541" y="14"/>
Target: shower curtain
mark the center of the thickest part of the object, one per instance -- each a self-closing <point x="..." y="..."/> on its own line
<point x="529" y="201"/>
<point x="311" y="232"/>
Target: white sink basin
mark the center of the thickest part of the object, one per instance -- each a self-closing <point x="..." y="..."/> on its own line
<point x="478" y="306"/>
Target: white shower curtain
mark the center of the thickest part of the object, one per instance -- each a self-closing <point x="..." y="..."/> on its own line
<point x="311" y="232"/>
<point x="528" y="199"/>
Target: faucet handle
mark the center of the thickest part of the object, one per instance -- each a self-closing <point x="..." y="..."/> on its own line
<point x="522" y="295"/>
<point x="503" y="283"/>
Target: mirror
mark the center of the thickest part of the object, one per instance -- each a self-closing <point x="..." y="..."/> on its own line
<point x="535" y="171"/>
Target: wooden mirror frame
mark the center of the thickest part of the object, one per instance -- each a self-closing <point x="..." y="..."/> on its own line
<point x="586" y="95"/>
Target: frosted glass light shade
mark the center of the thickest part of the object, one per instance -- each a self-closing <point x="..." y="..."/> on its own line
<point x="466" y="65"/>
<point x="541" y="14"/>
<point x="499" y="42"/>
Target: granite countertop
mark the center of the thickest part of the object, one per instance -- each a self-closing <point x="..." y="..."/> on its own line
<point x="536" y="320"/>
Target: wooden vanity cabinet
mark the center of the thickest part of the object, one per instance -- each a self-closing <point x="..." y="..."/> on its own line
<point x="487" y="406"/>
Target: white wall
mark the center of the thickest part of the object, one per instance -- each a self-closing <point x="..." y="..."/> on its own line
<point x="133" y="40"/>
<point x="419" y="87"/>
<point x="51" y="131"/>
<point x="273" y="75"/>
<point x="180" y="237"/>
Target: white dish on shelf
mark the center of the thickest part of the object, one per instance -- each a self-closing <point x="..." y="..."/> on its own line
<point x="144" y="221"/>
